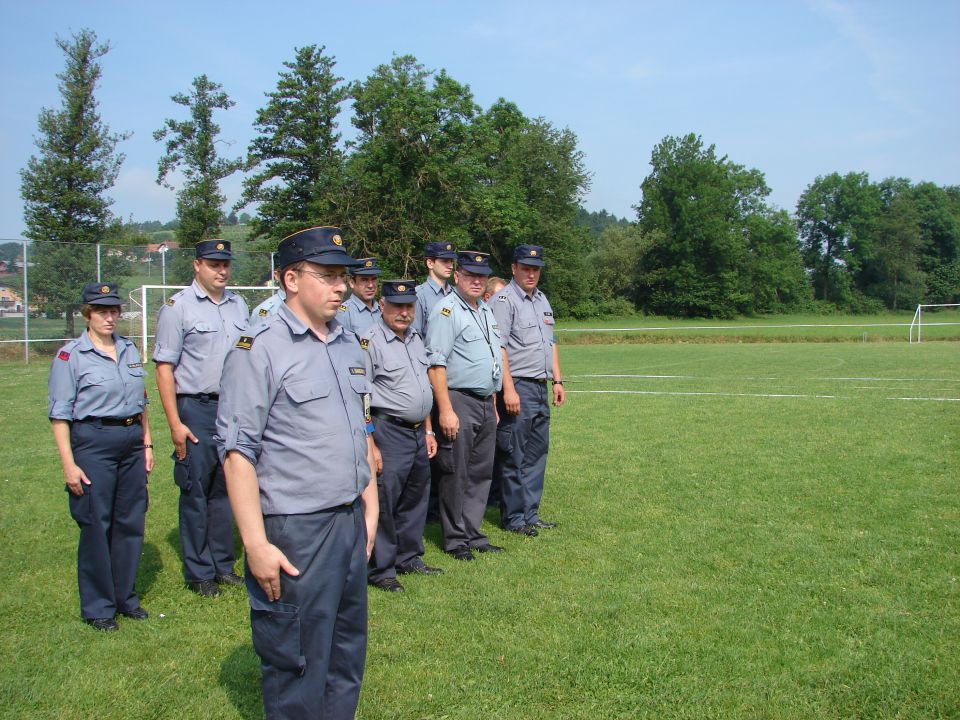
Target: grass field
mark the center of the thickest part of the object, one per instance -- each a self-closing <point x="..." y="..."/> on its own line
<point x="756" y="530"/>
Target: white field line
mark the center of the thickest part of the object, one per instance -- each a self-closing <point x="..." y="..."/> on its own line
<point x="748" y="395"/>
<point x="746" y="327"/>
<point x="774" y="379"/>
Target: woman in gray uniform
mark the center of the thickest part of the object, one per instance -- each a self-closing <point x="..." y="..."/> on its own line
<point x="98" y="410"/>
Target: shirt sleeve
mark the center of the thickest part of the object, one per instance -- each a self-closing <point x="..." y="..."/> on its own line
<point x="441" y="334"/>
<point x="420" y="319"/>
<point x="168" y="343"/>
<point x="62" y="386"/>
<point x="247" y="392"/>
<point x="503" y="313"/>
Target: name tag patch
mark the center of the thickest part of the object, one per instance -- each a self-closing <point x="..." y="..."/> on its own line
<point x="245" y="342"/>
<point x="358" y="370"/>
<point x="135" y="365"/>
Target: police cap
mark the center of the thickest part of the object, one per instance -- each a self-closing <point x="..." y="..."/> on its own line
<point x="476" y="262"/>
<point x="401" y="292"/>
<point x="366" y="266"/>
<point x="213" y="250"/>
<point x="442" y="250"/>
<point x="101" y="293"/>
<point x="528" y="255"/>
<point x="321" y="245"/>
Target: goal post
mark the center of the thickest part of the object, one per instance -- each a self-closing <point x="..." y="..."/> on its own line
<point x="916" y="326"/>
<point x="151" y="297"/>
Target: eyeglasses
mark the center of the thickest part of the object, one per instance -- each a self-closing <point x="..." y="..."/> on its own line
<point x="328" y="278"/>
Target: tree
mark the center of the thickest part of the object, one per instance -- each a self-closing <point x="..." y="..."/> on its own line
<point x="191" y="148"/>
<point x="63" y="187"/>
<point x="778" y="282"/>
<point x="696" y="206"/>
<point x="300" y="175"/>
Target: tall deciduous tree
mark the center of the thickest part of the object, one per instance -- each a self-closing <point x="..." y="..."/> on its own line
<point x="191" y="147"/>
<point x="63" y="187"/>
<point x="299" y="162"/>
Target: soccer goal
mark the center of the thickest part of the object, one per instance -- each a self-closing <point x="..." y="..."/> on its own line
<point x="916" y="327"/>
<point x="146" y="302"/>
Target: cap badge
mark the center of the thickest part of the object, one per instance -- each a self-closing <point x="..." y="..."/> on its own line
<point x="368" y="263"/>
<point x="337" y="240"/>
<point x="449" y="246"/>
<point x="478" y="258"/>
<point x="104" y="289"/>
<point x="219" y="246"/>
<point x="533" y="253"/>
<point x="401" y="288"/>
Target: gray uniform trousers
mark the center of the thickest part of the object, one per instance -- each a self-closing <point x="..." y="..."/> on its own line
<point x="312" y="642"/>
<point x="403" y="486"/>
<point x="110" y="514"/>
<point x="466" y="466"/>
<point x="521" y="458"/>
<point x="206" y="520"/>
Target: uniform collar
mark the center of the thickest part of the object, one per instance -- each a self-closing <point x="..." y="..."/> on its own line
<point x="438" y="289"/>
<point x="522" y="294"/>
<point x="361" y="305"/>
<point x="85" y="344"/>
<point x="202" y="294"/>
<point x="298" y="327"/>
<point x="390" y="335"/>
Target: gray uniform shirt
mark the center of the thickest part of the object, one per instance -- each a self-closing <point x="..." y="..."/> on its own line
<point x="294" y="407"/>
<point x="267" y="308"/>
<point x="354" y="315"/>
<point x="398" y="370"/>
<point x="428" y="295"/>
<point x="86" y="383"/>
<point x="526" y="331"/>
<point x="467" y="342"/>
<point x="194" y="334"/>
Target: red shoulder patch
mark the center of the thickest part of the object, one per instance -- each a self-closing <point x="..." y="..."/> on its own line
<point x="63" y="355"/>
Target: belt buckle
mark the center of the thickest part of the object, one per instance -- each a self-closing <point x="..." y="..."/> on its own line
<point x="128" y="421"/>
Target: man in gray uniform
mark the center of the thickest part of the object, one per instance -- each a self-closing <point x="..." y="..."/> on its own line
<point x="361" y="310"/>
<point x="401" y="401"/>
<point x="463" y="349"/>
<point x="530" y="363"/>
<point x="292" y="432"/>
<point x="268" y="308"/>
<point x="194" y="331"/>
<point x="439" y="257"/>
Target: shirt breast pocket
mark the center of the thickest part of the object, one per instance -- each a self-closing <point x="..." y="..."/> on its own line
<point x="308" y="400"/>
<point x="472" y="334"/>
<point x="527" y="332"/>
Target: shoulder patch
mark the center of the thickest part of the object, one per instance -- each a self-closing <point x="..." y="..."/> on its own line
<point x="263" y="312"/>
<point x="358" y="371"/>
<point x="502" y="298"/>
<point x="245" y="342"/>
<point x="445" y="312"/>
<point x="171" y="302"/>
<point x="364" y="343"/>
<point x="63" y="355"/>
<point x="343" y="308"/>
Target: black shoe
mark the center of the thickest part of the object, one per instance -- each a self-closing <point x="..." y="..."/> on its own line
<point x="419" y="568"/>
<point x="528" y="530"/>
<point x="488" y="548"/>
<point x="102" y="624"/>
<point x="231" y="578"/>
<point x="138" y="613"/>
<point x="462" y="554"/>
<point x="390" y="584"/>
<point x="206" y="588"/>
<point x="543" y="525"/>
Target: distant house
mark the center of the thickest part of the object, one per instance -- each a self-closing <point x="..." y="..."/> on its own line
<point x="169" y="245"/>
<point x="10" y="302"/>
<point x="4" y="266"/>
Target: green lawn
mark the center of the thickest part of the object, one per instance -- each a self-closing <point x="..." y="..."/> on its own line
<point x="746" y="531"/>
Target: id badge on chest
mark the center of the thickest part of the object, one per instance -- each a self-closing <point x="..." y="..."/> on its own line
<point x="497" y="372"/>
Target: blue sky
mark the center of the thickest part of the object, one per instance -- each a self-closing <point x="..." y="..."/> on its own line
<point x="797" y="88"/>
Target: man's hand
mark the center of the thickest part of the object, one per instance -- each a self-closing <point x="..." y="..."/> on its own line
<point x="431" y="447"/>
<point x="511" y="400"/>
<point x="559" y="395"/>
<point x="377" y="459"/>
<point x="266" y="562"/>
<point x="180" y="434"/>
<point x="449" y="424"/>
<point x="148" y="459"/>
<point x="75" y="479"/>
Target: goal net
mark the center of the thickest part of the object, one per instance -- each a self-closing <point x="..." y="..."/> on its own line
<point x="928" y="316"/>
<point x="145" y="303"/>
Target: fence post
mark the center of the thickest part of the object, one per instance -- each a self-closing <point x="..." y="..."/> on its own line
<point x="98" y="262"/>
<point x="26" y="308"/>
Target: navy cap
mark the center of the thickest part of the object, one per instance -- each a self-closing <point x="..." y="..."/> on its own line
<point x="213" y="250"/>
<point x="528" y="255"/>
<point x="476" y="262"/>
<point x="322" y="245"/>
<point x="101" y="293"/>
<point x="442" y="250"/>
<point x="401" y="292"/>
<point x="366" y="266"/>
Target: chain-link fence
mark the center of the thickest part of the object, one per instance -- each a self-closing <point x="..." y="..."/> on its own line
<point x="40" y="285"/>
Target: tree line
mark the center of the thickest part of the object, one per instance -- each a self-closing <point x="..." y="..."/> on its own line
<point x="428" y="163"/>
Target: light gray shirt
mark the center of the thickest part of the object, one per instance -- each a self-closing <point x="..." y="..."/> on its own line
<point x="526" y="331"/>
<point x="428" y="295"/>
<point x="467" y="343"/>
<point x="268" y="308"/>
<point x="398" y="371"/>
<point x="194" y="334"/>
<point x="294" y="406"/>
<point x="354" y="314"/>
<point x="85" y="382"/>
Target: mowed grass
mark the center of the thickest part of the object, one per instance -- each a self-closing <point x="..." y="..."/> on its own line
<point x="755" y="531"/>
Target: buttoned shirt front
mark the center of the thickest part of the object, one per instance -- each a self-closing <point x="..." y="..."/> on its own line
<point x="293" y="405"/>
<point x="84" y="382"/>
<point x="398" y="370"/>
<point x="268" y="308"/>
<point x="526" y="331"/>
<point x="356" y="316"/>
<point x="467" y="343"/>
<point x="429" y="294"/>
<point x="194" y="334"/>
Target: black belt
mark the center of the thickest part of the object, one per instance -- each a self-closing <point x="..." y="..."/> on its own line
<point x="397" y="421"/>
<point x="471" y="393"/>
<point x="541" y="381"/>
<point x="202" y="397"/>
<point x="123" y="422"/>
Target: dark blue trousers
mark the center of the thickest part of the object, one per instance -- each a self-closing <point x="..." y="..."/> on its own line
<point x="110" y="514"/>
<point x="404" y="487"/>
<point x="521" y="459"/>
<point x="206" y="520"/>
<point x="312" y="642"/>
